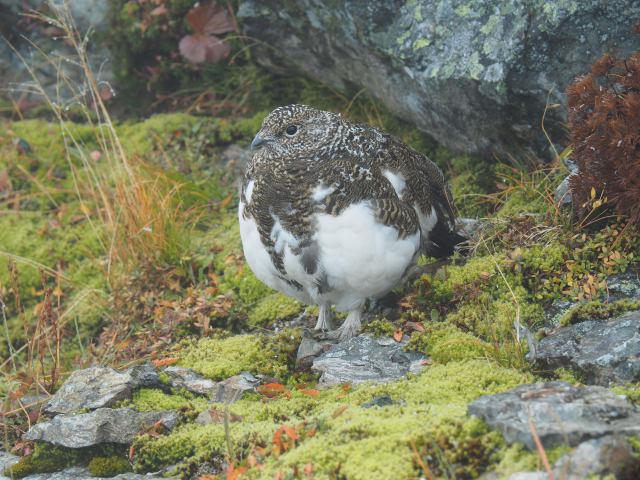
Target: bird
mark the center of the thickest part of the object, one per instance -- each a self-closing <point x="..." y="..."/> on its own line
<point x="334" y="213"/>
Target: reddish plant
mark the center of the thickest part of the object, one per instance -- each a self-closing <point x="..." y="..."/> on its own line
<point x="207" y="20"/>
<point x="604" y="120"/>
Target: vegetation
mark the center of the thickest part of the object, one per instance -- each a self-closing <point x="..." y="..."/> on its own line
<point x="119" y="243"/>
<point x="604" y="118"/>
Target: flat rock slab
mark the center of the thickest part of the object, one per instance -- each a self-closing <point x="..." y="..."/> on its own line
<point x="233" y="388"/>
<point x="366" y="359"/>
<point x="180" y="377"/>
<point x="603" y="352"/>
<point x="98" y="387"/>
<point x="81" y="473"/>
<point x="560" y="412"/>
<point x="104" y="425"/>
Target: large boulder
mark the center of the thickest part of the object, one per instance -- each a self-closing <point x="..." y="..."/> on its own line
<point x="475" y="75"/>
<point x="19" y="57"/>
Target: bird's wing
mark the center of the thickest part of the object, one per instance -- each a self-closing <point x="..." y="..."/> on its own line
<point x="426" y="190"/>
<point x="348" y="180"/>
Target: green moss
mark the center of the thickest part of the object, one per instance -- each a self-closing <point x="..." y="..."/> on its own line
<point x="152" y="400"/>
<point x="631" y="391"/>
<point x="108" y="466"/>
<point x="44" y="459"/>
<point x="141" y="137"/>
<point x="220" y="358"/>
<point x="272" y="308"/>
<point x="597" y="309"/>
<point x="445" y="343"/>
<point x="380" y="328"/>
<point x="351" y="439"/>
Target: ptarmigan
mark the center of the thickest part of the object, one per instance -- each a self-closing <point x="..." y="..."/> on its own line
<point x="334" y="213"/>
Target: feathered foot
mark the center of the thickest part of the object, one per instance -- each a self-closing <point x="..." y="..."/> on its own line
<point x="325" y="319"/>
<point x="349" y="328"/>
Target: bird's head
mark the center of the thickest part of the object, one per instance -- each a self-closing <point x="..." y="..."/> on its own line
<point x="296" y="130"/>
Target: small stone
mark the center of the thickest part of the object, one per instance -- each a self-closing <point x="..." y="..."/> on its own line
<point x="560" y="412"/>
<point x="233" y="389"/>
<point x="562" y="194"/>
<point x="380" y="401"/>
<point x="189" y="380"/>
<point x="528" y="476"/>
<point x="98" y="387"/>
<point x="309" y="349"/>
<point x="609" y="455"/>
<point x="365" y="359"/>
<point x="469" y="227"/>
<point x="104" y="425"/>
<point x="603" y="352"/>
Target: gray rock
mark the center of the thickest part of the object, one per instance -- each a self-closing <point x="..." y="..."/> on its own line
<point x="528" y="476"/>
<point x="98" y="387"/>
<point x="380" y="401"/>
<point x="604" y="352"/>
<point x="469" y="227"/>
<point x="560" y="412"/>
<point x="81" y="473"/>
<point x="14" y="75"/>
<point x="7" y="460"/>
<point x="562" y="194"/>
<point x="189" y="380"/>
<point x="104" y="425"/>
<point x="233" y="389"/>
<point x="366" y="359"/>
<point x="309" y="349"/>
<point x="476" y="76"/>
<point x="610" y="455"/>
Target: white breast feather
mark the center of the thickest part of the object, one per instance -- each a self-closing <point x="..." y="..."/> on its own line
<point x="361" y="257"/>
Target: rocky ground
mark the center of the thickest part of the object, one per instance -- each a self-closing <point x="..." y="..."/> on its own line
<point x="229" y="378"/>
<point x="136" y="343"/>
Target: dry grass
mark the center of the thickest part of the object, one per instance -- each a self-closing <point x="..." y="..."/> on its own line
<point x="135" y="211"/>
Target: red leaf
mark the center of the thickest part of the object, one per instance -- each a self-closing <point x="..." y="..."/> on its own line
<point x="165" y="361"/>
<point x="312" y="392"/>
<point x="291" y="433"/>
<point x="417" y="326"/>
<point x="209" y="18"/>
<point x="161" y="10"/>
<point x="203" y="48"/>
<point x="397" y="335"/>
<point x="270" y="389"/>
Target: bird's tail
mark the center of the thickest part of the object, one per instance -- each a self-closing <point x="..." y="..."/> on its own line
<point x="443" y="239"/>
<point x="445" y="235"/>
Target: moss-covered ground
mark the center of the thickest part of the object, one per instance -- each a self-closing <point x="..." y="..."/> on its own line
<point x="68" y="301"/>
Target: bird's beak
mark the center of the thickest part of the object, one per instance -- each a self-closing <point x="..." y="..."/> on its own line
<point x="258" y="141"/>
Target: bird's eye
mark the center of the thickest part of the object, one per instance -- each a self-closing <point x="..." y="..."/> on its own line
<point x="291" y="130"/>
